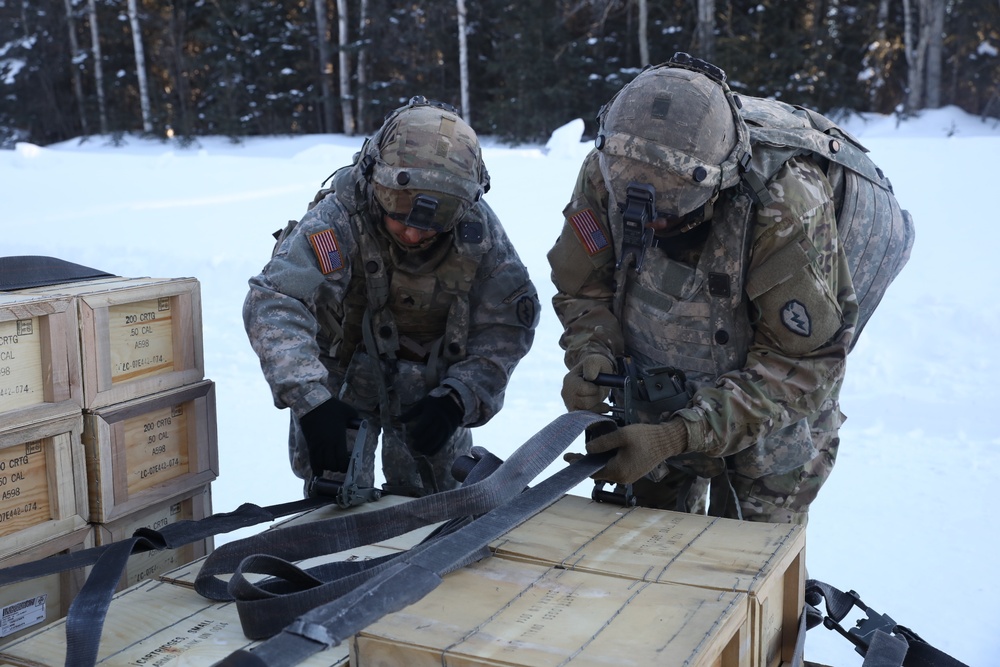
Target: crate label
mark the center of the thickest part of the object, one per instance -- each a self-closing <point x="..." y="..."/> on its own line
<point x="20" y="364"/>
<point x="141" y="336"/>
<point x="21" y="615"/>
<point x="156" y="446"/>
<point x="24" y="487"/>
<point x="149" y="564"/>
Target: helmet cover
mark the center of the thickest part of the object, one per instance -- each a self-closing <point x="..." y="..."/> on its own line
<point x="677" y="130"/>
<point x="428" y="163"/>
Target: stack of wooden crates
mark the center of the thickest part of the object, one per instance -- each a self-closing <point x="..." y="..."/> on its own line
<point x="107" y="424"/>
<point x="579" y="584"/>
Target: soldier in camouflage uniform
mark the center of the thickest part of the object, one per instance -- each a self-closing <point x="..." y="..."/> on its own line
<point x="668" y="259"/>
<point x="397" y="298"/>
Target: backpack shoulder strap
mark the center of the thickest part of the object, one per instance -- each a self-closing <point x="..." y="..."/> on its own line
<point x="780" y="131"/>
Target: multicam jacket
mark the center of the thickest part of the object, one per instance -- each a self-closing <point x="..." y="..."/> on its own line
<point x="462" y="312"/>
<point x="760" y="321"/>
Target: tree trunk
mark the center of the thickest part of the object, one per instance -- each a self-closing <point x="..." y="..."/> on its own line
<point x="343" y="40"/>
<point x="178" y="24"/>
<point x="140" y="66"/>
<point x="325" y="66"/>
<point x="74" y="49"/>
<point x="706" y="29"/>
<point x="914" y="58"/>
<point x="643" y="7"/>
<point x="879" y="56"/>
<point x="362" y="87"/>
<point x="935" y="47"/>
<point x="95" y="49"/>
<point x="463" y="61"/>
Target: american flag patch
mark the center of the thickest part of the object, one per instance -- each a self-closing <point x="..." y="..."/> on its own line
<point x="327" y="251"/>
<point x="590" y="233"/>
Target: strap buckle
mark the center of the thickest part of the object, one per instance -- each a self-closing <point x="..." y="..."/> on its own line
<point x="347" y="493"/>
<point x="865" y="628"/>
<point x="621" y="494"/>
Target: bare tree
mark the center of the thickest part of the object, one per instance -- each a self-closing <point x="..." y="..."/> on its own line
<point x="914" y="59"/>
<point x="643" y="7"/>
<point x="706" y="29"/>
<point x="74" y="47"/>
<point x="325" y="66"/>
<point x="362" y="122"/>
<point x="95" y="49"/>
<point x="935" y="50"/>
<point x="140" y="66"/>
<point x="923" y="45"/>
<point x="463" y="60"/>
<point x="878" y="55"/>
<point x="343" y="41"/>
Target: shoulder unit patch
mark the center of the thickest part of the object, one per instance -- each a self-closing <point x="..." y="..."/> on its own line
<point x="796" y="319"/>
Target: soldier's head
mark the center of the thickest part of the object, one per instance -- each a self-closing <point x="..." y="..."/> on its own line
<point x="673" y="137"/>
<point x="424" y="168"/>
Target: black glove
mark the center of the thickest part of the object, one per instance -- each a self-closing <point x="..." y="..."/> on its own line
<point x="434" y="420"/>
<point x="325" y="430"/>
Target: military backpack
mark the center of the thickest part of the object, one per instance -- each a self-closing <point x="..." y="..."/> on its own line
<point x="876" y="233"/>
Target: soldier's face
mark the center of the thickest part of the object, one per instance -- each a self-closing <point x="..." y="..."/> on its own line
<point x="408" y="236"/>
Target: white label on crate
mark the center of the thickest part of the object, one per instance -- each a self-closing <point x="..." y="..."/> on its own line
<point x="20" y="364"/>
<point x="24" y="487"/>
<point x="21" y="615"/>
<point x="141" y="338"/>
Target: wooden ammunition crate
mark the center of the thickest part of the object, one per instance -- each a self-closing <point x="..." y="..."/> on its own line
<point x="165" y="616"/>
<point x="501" y="612"/>
<point x="28" y="605"/>
<point x="138" y="336"/>
<point x="143" y="452"/>
<point x="43" y="483"/>
<point x="155" y="623"/>
<point x="150" y="564"/>
<point x="39" y="359"/>
<point x="763" y="560"/>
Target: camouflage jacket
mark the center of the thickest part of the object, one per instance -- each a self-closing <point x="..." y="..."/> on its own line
<point x="304" y="311"/>
<point x="760" y="322"/>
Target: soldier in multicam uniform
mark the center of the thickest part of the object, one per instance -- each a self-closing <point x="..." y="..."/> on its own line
<point x="397" y="298"/>
<point x="668" y="259"/>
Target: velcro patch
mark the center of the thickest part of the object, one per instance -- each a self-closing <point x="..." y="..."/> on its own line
<point x="327" y="251"/>
<point x="589" y="232"/>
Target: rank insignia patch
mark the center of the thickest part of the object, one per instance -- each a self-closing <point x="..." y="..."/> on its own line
<point x="327" y="251"/>
<point x="588" y="231"/>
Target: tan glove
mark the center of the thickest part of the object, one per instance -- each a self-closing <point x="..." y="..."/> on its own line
<point x="641" y="447"/>
<point x="579" y="391"/>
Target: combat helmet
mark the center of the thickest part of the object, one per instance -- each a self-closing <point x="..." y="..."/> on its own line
<point x="674" y="133"/>
<point x="424" y="166"/>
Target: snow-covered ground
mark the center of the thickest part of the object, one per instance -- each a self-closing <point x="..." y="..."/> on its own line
<point x="906" y="518"/>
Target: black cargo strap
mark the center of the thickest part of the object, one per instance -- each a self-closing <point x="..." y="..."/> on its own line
<point x="85" y="618"/>
<point x="171" y="536"/>
<point x="321" y="607"/>
<point x="877" y="637"/>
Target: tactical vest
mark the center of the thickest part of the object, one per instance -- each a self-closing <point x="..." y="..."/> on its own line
<point x="692" y="318"/>
<point x="696" y="318"/>
<point x="414" y="313"/>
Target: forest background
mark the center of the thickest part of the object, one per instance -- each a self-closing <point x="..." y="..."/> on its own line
<point x="518" y="69"/>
